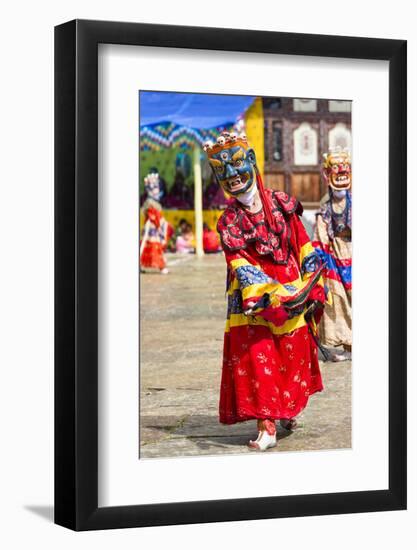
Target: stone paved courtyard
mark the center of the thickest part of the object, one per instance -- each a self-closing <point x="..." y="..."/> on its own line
<point x="182" y="322"/>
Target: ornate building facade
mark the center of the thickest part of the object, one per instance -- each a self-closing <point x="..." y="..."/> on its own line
<point x="297" y="133"/>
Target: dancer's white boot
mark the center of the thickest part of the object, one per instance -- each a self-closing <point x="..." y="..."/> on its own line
<point x="267" y="436"/>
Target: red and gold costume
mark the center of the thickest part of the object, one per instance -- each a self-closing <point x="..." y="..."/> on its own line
<point x="270" y="359"/>
<point x="270" y="362"/>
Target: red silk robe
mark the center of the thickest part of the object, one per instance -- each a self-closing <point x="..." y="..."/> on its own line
<point x="270" y="360"/>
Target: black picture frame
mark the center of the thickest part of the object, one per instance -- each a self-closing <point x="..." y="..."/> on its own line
<point x="76" y="273"/>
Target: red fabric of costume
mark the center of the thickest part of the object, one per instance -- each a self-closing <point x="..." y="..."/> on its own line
<point x="269" y="368"/>
<point x="153" y="256"/>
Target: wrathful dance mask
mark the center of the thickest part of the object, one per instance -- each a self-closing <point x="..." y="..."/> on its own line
<point x="337" y="170"/>
<point x="233" y="163"/>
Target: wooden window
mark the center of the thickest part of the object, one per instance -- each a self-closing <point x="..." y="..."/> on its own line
<point x="306" y="187"/>
<point x="305" y="145"/>
<point x="273" y="103"/>
<point x="276" y="142"/>
<point x="336" y="106"/>
<point x="305" y="105"/>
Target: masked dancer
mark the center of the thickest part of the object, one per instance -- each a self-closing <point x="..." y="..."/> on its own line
<point x="155" y="232"/>
<point x="275" y="297"/>
<point x="333" y="240"/>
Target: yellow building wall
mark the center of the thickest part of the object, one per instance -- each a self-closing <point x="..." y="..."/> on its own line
<point x="254" y="123"/>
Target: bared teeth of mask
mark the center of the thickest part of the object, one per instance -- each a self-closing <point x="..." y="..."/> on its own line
<point x="235" y="184"/>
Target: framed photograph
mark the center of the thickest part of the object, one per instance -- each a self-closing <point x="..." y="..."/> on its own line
<point x="230" y="284"/>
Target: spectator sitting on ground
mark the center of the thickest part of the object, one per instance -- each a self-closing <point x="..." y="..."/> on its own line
<point x="184" y="243"/>
<point x="211" y="241"/>
<point x="172" y="246"/>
